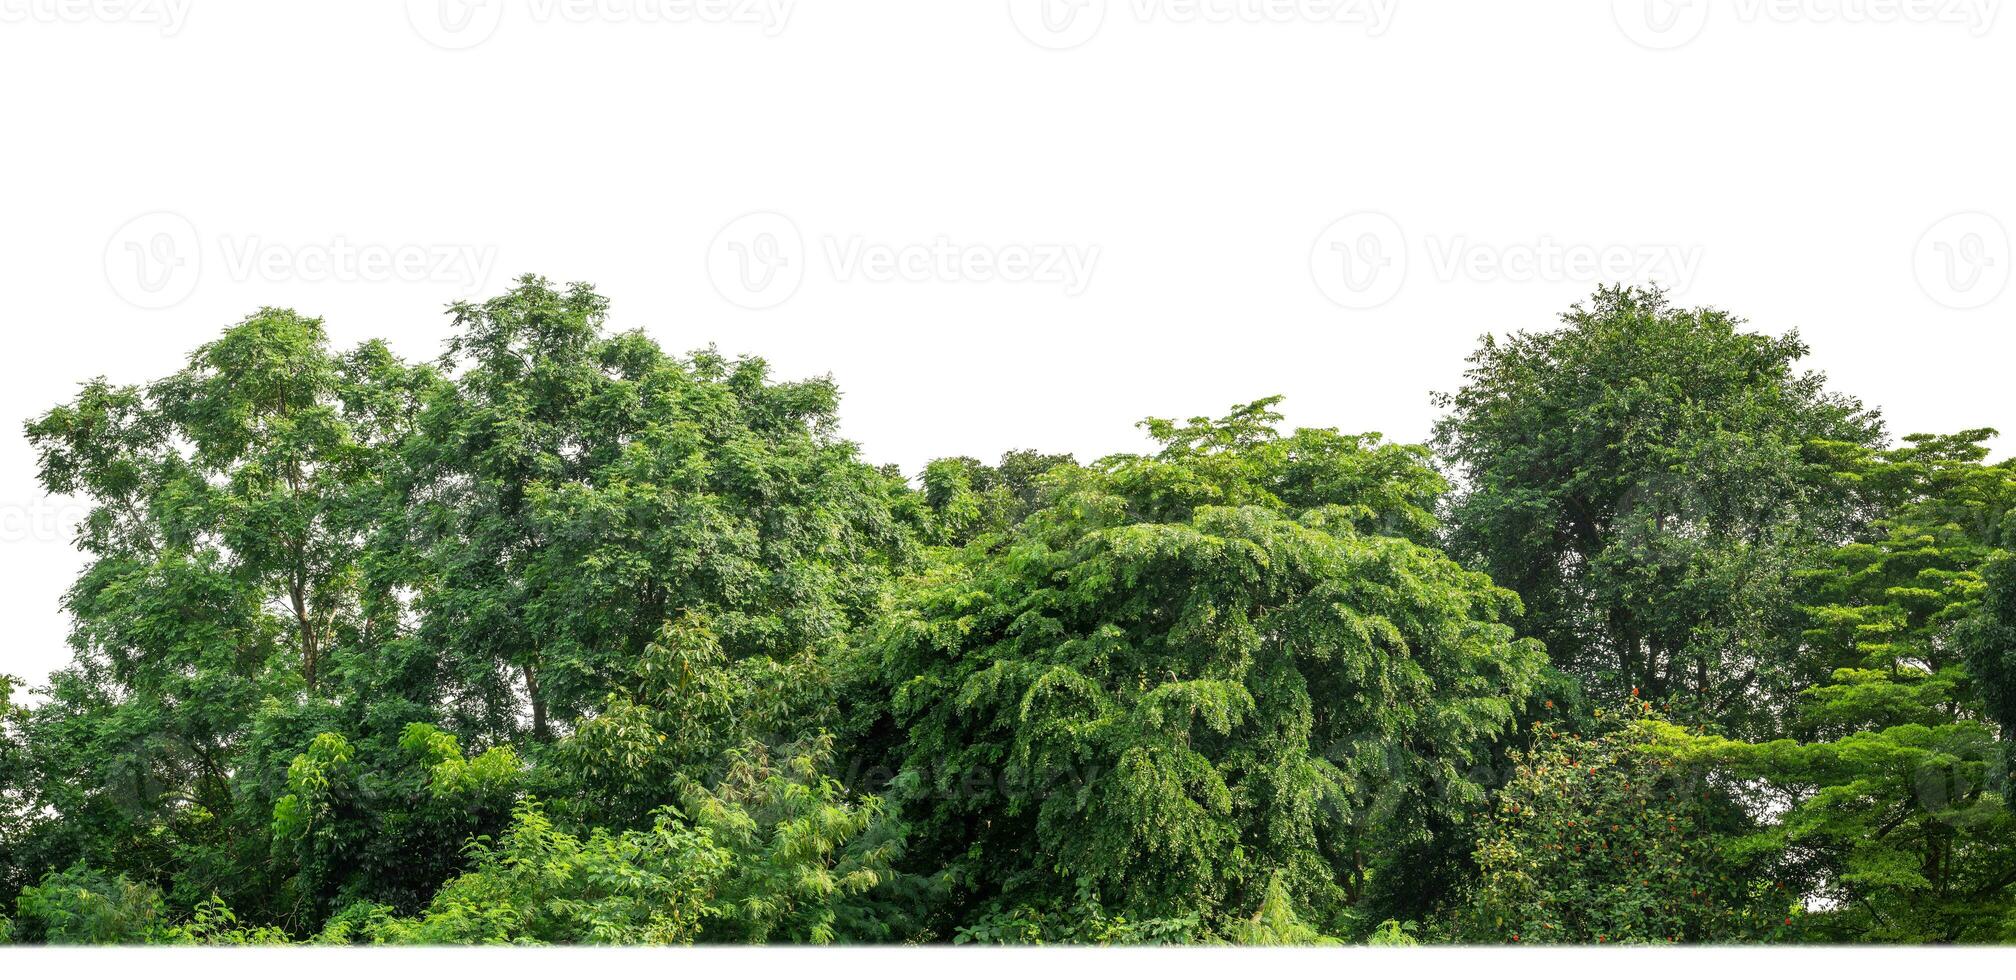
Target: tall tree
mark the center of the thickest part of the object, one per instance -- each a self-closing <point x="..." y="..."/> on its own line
<point x="572" y="491"/>
<point x="1888" y="800"/>
<point x="221" y="573"/>
<point x="1195" y="675"/>
<point x="1650" y="480"/>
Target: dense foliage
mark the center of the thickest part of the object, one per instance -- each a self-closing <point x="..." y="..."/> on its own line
<point x="562" y="638"/>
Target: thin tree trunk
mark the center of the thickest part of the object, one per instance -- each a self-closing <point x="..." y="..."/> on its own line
<point x="538" y="706"/>
<point x="310" y="648"/>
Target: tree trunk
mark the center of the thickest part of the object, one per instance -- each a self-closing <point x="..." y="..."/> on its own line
<point x="538" y="706"/>
<point x="310" y="648"/>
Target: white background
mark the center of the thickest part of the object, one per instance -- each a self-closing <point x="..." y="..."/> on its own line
<point x="169" y="166"/>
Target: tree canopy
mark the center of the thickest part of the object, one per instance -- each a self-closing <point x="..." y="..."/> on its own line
<point x="559" y="637"/>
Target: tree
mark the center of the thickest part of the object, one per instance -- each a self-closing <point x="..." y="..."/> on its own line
<point x="1599" y="839"/>
<point x="1888" y="796"/>
<point x="221" y="576"/>
<point x="292" y="551"/>
<point x="1651" y="480"/>
<point x="1990" y="646"/>
<point x="571" y="491"/>
<point x="14" y="788"/>
<point x="562" y="638"/>
<point x="1194" y="674"/>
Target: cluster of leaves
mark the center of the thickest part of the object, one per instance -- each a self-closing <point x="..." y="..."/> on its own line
<point x="1597" y="839"/>
<point x="81" y="906"/>
<point x="776" y="853"/>
<point x="561" y="638"/>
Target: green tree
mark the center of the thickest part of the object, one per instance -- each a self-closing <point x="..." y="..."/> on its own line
<point x="1194" y="674"/>
<point x="1651" y="480"/>
<point x="1990" y="647"/>
<point x="220" y="576"/>
<point x="14" y="801"/>
<point x="1891" y="801"/>
<point x="571" y="491"/>
<point x="292" y="550"/>
<point x="1598" y="839"/>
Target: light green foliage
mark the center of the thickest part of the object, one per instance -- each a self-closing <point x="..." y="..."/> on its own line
<point x="1197" y="672"/>
<point x="537" y="884"/>
<point x="312" y="780"/>
<point x="450" y="775"/>
<point x="965" y="498"/>
<point x="808" y="862"/>
<point x="82" y="906"/>
<point x="775" y="853"/>
<point x="1276" y="924"/>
